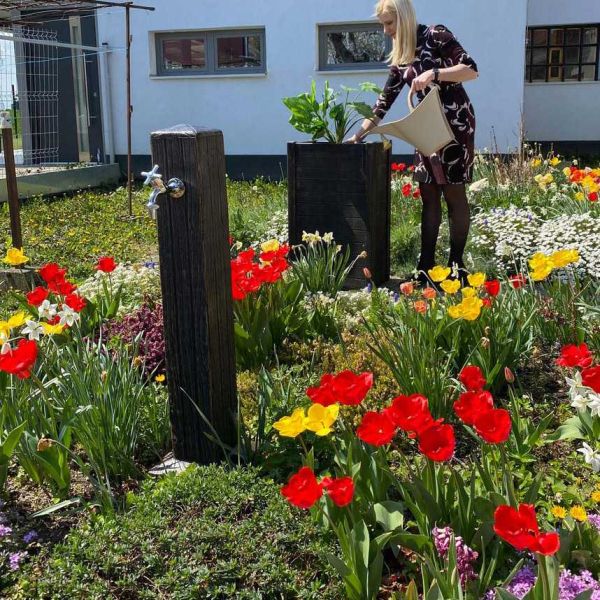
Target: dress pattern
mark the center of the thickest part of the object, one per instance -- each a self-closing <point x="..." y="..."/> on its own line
<point x="437" y="46"/>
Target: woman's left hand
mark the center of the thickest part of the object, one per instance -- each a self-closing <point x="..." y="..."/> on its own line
<point x="422" y="81"/>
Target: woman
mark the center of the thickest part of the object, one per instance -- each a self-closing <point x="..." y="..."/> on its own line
<point x="422" y="56"/>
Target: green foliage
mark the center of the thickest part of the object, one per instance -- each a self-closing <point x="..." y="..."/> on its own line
<point x="209" y="533"/>
<point x="329" y="118"/>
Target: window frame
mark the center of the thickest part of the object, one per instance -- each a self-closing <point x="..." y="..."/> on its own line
<point x="325" y="28"/>
<point x="562" y="66"/>
<point x="210" y="44"/>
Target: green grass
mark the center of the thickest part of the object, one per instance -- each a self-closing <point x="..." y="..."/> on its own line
<point x="207" y="533"/>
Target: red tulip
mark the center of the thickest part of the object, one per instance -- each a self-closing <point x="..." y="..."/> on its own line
<point x="520" y="529"/>
<point x="351" y="389"/>
<point x="593" y="196"/>
<point x="406" y="190"/>
<point x="492" y="287"/>
<point x="493" y="425"/>
<point x="63" y="288"/>
<point x="471" y="404"/>
<point x="76" y="302"/>
<point x="410" y="413"/>
<point x="437" y="442"/>
<point x="487" y="302"/>
<point x="376" y="429"/>
<point x="417" y="193"/>
<point x="572" y="355"/>
<point x="37" y="296"/>
<point x="20" y="360"/>
<point x="517" y="281"/>
<point x="323" y="393"/>
<point x="472" y="377"/>
<point x="52" y="272"/>
<point x="340" y="490"/>
<point x="303" y="490"/>
<point x="591" y="378"/>
<point x="106" y="264"/>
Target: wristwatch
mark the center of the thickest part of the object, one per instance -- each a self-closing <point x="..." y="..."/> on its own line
<point x="436" y="75"/>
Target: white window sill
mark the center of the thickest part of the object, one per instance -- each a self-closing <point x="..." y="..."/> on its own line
<point x="352" y="71"/>
<point x="209" y="76"/>
<point x="536" y="83"/>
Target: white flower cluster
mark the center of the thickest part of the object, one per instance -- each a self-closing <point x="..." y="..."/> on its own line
<point x="515" y="234"/>
<point x="277" y="228"/>
<point x="581" y="232"/>
<point x="138" y="281"/>
<point x="510" y="234"/>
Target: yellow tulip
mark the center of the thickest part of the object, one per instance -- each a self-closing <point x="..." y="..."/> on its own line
<point x="468" y="292"/>
<point x="554" y="161"/>
<point x="15" y="256"/>
<point x="291" y="426"/>
<point x="439" y="273"/>
<point x="450" y="286"/>
<point x="320" y="418"/>
<point x="580" y="196"/>
<point x="536" y="162"/>
<point x="539" y="261"/>
<point x="562" y="258"/>
<point x="471" y="308"/>
<point x="541" y="273"/>
<point x="455" y="311"/>
<point x="17" y="320"/>
<point x="270" y="246"/>
<point x="476" y="279"/>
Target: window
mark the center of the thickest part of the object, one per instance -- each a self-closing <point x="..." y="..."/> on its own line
<point x="562" y="53"/>
<point x="211" y="52"/>
<point x="352" y="46"/>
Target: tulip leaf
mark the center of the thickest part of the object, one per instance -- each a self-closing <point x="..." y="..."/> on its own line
<point x="504" y="595"/>
<point x="571" y="429"/>
<point x="389" y="515"/>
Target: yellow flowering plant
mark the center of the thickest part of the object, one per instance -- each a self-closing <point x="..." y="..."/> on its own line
<point x="15" y="257"/>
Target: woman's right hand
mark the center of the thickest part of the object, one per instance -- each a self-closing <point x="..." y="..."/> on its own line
<point x="353" y="140"/>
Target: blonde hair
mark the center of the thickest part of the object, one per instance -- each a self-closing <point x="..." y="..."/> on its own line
<point x="405" y="40"/>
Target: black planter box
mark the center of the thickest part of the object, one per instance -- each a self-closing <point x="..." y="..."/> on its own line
<point x="345" y="189"/>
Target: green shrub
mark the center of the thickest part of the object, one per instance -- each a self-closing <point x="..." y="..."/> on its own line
<point x="207" y="533"/>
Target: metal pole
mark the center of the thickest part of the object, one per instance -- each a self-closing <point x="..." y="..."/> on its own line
<point x="129" y="108"/>
<point x="11" y="182"/>
<point x="107" y="117"/>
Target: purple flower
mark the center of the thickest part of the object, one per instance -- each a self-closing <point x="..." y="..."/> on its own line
<point x="465" y="556"/>
<point x="5" y="530"/>
<point x="30" y="536"/>
<point x="15" y="559"/>
<point x="594" y="519"/>
<point x="396" y="297"/>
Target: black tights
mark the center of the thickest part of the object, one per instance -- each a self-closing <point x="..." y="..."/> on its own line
<point x="459" y="217"/>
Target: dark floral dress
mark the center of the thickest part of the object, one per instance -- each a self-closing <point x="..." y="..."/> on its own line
<point x="437" y="46"/>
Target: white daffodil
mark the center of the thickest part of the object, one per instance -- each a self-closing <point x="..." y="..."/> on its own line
<point x="591" y="457"/>
<point x="594" y="404"/>
<point x="68" y="316"/>
<point x="328" y="237"/>
<point x="33" y="330"/>
<point x="46" y="310"/>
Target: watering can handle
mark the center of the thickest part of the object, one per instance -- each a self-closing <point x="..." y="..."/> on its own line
<point x="411" y="95"/>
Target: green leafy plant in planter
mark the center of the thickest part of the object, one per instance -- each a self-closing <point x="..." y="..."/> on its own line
<point x="329" y="118"/>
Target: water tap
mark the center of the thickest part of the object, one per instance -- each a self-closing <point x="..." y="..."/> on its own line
<point x="175" y="187"/>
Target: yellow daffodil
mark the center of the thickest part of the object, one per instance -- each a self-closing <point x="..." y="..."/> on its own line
<point x="554" y="161"/>
<point x="562" y="258"/>
<point x="471" y="308"/>
<point x="580" y="196"/>
<point x="455" y="311"/>
<point x="320" y="418"/>
<point x="52" y="329"/>
<point x="439" y="273"/>
<point x="311" y="238"/>
<point x="578" y="513"/>
<point x="160" y="378"/>
<point x="270" y="246"/>
<point x="567" y="171"/>
<point x="291" y="426"/>
<point x="16" y="320"/>
<point x="15" y="256"/>
<point x="476" y="279"/>
<point x="450" y="286"/>
<point x="558" y="512"/>
<point x="468" y="292"/>
<point x="596" y="496"/>
<point x="536" y="162"/>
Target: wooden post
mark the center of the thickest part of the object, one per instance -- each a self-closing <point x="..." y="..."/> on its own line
<point x="196" y="290"/>
<point x="14" y="205"/>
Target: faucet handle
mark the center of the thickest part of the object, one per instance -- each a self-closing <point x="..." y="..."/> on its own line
<point x="151" y="176"/>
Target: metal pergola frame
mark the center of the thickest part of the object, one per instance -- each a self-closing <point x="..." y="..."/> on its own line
<point x="49" y="9"/>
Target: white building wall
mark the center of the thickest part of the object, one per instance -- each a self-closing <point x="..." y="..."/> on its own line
<point x="249" y="109"/>
<point x="560" y="111"/>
